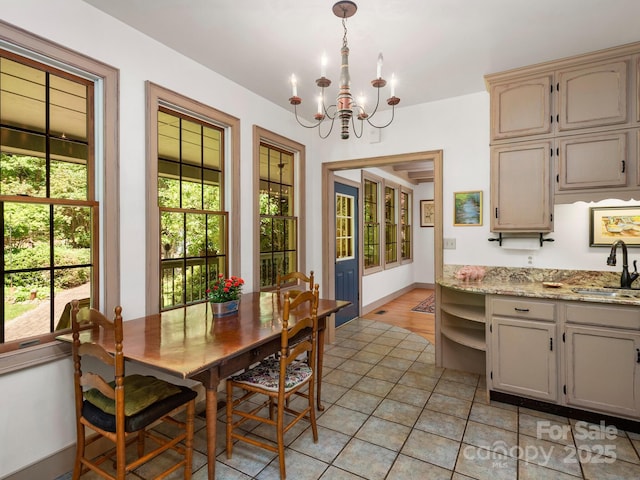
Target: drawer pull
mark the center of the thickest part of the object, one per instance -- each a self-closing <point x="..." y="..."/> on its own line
<point x="521" y="309"/>
<point x="638" y="355"/>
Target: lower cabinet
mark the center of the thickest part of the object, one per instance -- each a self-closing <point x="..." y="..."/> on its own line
<point x="579" y="354"/>
<point x="525" y="362"/>
<point x="602" y="364"/>
<point x="523" y="348"/>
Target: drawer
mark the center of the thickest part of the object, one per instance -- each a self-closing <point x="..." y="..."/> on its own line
<point x="524" y="308"/>
<point x="605" y="315"/>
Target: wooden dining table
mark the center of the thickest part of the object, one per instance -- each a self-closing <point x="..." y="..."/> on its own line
<point x="188" y="342"/>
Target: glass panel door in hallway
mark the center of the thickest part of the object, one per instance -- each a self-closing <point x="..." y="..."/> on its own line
<point x="346" y="271"/>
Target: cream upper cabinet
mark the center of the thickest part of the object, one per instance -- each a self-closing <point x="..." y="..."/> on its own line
<point x="588" y="106"/>
<point x="521" y="107"/>
<point x="592" y="96"/>
<point x="521" y="195"/>
<point x="592" y="161"/>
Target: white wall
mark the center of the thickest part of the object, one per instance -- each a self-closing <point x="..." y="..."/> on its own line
<point x="459" y="126"/>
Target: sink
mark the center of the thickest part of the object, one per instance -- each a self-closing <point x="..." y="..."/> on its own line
<point x="608" y="292"/>
<point x="596" y="291"/>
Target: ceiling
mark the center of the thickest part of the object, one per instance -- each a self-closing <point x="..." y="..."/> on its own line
<point x="436" y="48"/>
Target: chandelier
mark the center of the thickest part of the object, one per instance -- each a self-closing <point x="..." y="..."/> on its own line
<point x="345" y="107"/>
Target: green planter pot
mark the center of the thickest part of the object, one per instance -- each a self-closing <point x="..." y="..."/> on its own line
<point x="225" y="309"/>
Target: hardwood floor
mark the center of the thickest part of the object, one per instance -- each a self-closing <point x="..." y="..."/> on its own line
<point x="398" y="312"/>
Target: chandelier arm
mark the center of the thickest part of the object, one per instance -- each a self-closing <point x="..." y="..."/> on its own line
<point x="393" y="110"/>
<point x="295" y="109"/>
<point x="355" y="130"/>
<point x="326" y="111"/>
<point x="330" y="129"/>
<point x="377" y="104"/>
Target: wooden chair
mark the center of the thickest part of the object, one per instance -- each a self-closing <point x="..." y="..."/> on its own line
<point x="121" y="410"/>
<point x="279" y="379"/>
<point x="289" y="278"/>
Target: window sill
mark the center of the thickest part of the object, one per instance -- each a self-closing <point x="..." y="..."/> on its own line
<point x="22" y="359"/>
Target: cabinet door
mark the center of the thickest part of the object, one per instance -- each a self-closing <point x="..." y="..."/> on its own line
<point x="523" y="358"/>
<point x="521" y="108"/>
<point x="593" y="96"/>
<point x="592" y="162"/>
<point x="602" y="369"/>
<point x="521" y="196"/>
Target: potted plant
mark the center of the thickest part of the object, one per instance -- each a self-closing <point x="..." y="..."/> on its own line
<point x="224" y="295"/>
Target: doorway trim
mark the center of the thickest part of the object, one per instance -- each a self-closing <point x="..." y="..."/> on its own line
<point x="328" y="230"/>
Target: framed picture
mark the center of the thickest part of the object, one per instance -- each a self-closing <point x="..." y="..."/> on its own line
<point x="467" y="208"/>
<point x="427" y="213"/>
<point x="609" y="224"/>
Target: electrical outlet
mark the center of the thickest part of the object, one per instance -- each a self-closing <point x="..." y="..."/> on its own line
<point x="449" y="243"/>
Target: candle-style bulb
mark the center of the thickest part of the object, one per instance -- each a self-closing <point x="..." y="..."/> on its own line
<point x="393" y="84"/>
<point x="320" y="104"/>
<point x="379" y="69"/>
<point x="361" y="101"/>
<point x="323" y="65"/>
<point x="294" y="86"/>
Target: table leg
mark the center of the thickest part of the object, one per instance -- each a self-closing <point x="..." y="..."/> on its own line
<point x="320" y="347"/>
<point x="212" y="414"/>
<point x="210" y="380"/>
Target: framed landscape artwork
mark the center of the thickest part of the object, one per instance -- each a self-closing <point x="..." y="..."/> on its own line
<point x="467" y="209"/>
<point x="427" y="213"/>
<point x="609" y="224"/>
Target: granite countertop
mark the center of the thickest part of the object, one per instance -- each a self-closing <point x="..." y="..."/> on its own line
<point x="560" y="284"/>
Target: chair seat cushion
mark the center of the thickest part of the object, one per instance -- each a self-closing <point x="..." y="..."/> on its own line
<point x="143" y="418"/>
<point x="140" y="391"/>
<point x="267" y="375"/>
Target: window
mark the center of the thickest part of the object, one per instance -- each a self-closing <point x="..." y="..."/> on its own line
<point x="371" y="222"/>
<point x="52" y="183"/>
<point x="394" y="215"/>
<point x="193" y="220"/>
<point x="279" y="170"/>
<point x="345" y="227"/>
<point x="278" y="223"/>
<point x="406" y="202"/>
<point x="390" y="224"/>
<point x="193" y="223"/>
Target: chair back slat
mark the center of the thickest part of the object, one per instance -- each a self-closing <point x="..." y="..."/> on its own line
<point x="287" y="280"/>
<point x="96" y="351"/>
<point x="305" y="303"/>
<point x="93" y="380"/>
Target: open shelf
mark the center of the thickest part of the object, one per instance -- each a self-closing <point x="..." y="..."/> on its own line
<point x="470" y="337"/>
<point x="475" y="313"/>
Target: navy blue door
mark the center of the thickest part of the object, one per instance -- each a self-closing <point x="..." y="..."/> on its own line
<point x="346" y="271"/>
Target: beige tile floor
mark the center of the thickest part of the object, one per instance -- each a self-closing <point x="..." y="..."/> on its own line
<point x="392" y="415"/>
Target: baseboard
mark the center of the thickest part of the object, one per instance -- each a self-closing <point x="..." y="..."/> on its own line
<point x="48" y="468"/>
<point x="392" y="296"/>
<point x="564" y="411"/>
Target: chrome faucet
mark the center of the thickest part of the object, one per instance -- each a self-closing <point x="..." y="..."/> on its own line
<point x="626" y="279"/>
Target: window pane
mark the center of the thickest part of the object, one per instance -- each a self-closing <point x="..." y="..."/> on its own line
<point x="191" y="143"/>
<point x="68" y="108"/>
<point x="212" y="152"/>
<point x="22" y="96"/>
<point x="211" y="190"/>
<point x="23" y="175"/>
<point x="69" y="180"/>
<point x="191" y="187"/>
<point x="168" y="136"/>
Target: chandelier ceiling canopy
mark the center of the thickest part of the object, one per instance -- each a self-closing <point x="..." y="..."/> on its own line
<point x="345" y="108"/>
